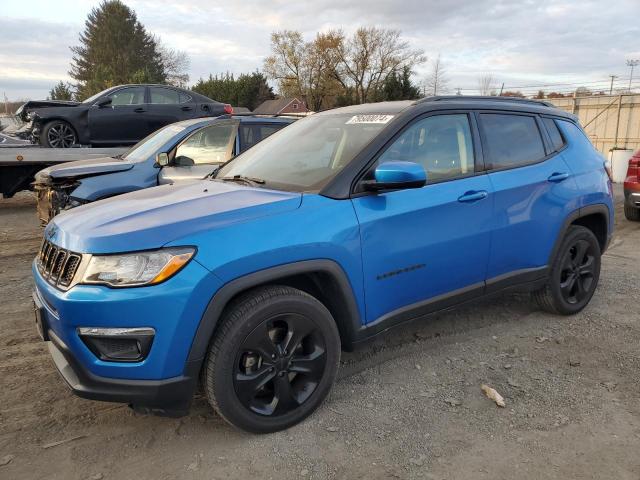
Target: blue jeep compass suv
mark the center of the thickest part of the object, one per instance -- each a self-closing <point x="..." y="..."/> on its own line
<point x="328" y="232"/>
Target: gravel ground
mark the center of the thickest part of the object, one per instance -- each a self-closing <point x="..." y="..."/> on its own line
<point x="408" y="405"/>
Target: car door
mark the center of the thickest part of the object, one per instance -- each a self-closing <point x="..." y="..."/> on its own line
<point x="201" y="152"/>
<point x="122" y="120"/>
<point x="533" y="192"/>
<point x="167" y="105"/>
<point x="427" y="247"/>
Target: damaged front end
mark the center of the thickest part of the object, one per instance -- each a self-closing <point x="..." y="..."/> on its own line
<point x="52" y="198"/>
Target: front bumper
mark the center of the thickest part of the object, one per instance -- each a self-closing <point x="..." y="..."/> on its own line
<point x="165" y="380"/>
<point x="171" y="397"/>
<point x="632" y="197"/>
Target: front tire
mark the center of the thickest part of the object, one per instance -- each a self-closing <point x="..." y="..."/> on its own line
<point x="632" y="213"/>
<point x="273" y="359"/>
<point x="574" y="274"/>
<point x="58" y="134"/>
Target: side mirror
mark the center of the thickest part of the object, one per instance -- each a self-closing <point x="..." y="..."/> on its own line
<point x="162" y="160"/>
<point x="103" y="102"/>
<point x="397" y="175"/>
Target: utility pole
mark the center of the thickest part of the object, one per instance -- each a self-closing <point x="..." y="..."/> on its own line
<point x="612" y="77"/>
<point x="501" y="88"/>
<point x="632" y="64"/>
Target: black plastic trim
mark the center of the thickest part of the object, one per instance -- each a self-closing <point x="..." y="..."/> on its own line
<point x="170" y="397"/>
<point x="347" y="325"/>
<point x="529" y="278"/>
<point x="418" y="310"/>
<point x="599" y="208"/>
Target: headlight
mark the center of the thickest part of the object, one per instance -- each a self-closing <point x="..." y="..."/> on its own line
<point x="135" y="269"/>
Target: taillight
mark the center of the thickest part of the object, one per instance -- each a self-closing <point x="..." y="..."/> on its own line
<point x="633" y="171"/>
<point x="228" y="108"/>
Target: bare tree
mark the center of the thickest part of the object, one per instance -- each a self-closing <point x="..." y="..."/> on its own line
<point x="436" y="82"/>
<point x="304" y="69"/>
<point x="485" y="84"/>
<point x="365" y="60"/>
<point x="176" y="64"/>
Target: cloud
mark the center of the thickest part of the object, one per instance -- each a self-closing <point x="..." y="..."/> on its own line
<point x="521" y="42"/>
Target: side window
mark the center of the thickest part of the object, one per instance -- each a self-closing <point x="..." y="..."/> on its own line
<point x="442" y="144"/>
<point x="556" y="138"/>
<point x="209" y="145"/>
<point x="252" y="134"/>
<point x="184" y="98"/>
<point x="511" y="140"/>
<point x="164" y="96"/>
<point x="128" y="96"/>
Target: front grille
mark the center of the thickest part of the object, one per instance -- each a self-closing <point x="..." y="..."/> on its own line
<point x="57" y="265"/>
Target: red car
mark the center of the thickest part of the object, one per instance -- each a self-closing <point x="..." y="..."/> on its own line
<point x="632" y="189"/>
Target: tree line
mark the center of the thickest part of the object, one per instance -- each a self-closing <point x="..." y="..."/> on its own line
<point x="333" y="69"/>
<point x="330" y="70"/>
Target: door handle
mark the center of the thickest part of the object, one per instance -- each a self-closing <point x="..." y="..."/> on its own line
<point x="139" y="110"/>
<point x="473" y="196"/>
<point x="186" y="109"/>
<point x="558" y="177"/>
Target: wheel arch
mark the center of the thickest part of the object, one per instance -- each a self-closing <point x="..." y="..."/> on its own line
<point x="324" y="279"/>
<point x="594" y="217"/>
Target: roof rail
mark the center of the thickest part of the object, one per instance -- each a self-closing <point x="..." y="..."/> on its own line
<point x="489" y="98"/>
<point x="266" y="115"/>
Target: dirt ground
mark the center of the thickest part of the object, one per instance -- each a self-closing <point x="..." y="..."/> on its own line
<point x="406" y="406"/>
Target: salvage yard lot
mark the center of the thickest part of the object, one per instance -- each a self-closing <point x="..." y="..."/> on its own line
<point x="406" y="406"/>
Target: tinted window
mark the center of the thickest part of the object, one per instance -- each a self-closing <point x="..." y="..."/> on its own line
<point x="441" y="144"/>
<point x="556" y="138"/>
<point x="164" y="95"/>
<point x="512" y="140"/>
<point x="252" y="134"/>
<point x="128" y="96"/>
<point x="209" y="145"/>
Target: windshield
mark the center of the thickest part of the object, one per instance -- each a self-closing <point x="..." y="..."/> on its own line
<point x="97" y="96"/>
<point x="307" y="154"/>
<point x="149" y="146"/>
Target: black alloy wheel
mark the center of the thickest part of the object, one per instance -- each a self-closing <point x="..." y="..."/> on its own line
<point x="573" y="274"/>
<point x="578" y="272"/>
<point x="280" y="364"/>
<point x="272" y="359"/>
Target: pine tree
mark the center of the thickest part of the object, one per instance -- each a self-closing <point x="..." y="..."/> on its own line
<point x="114" y="49"/>
<point x="248" y="90"/>
<point x="61" y="91"/>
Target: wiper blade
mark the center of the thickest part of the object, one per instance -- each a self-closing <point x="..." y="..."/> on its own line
<point x="242" y="179"/>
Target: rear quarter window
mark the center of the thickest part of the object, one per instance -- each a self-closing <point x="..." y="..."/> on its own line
<point x="556" y="137"/>
<point x="511" y="140"/>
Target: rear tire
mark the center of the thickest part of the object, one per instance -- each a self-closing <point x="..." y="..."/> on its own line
<point x="574" y="274"/>
<point x="58" y="134"/>
<point x="632" y="213"/>
<point x="273" y="359"/>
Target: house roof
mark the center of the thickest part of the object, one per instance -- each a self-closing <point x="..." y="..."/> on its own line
<point x="273" y="107"/>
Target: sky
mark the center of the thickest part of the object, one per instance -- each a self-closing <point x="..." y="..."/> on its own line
<point x="520" y="43"/>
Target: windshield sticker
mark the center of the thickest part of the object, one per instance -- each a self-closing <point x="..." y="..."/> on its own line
<point x="369" y="119"/>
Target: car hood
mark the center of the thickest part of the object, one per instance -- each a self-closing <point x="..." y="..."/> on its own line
<point x="38" y="104"/>
<point x="153" y="217"/>
<point x="82" y="168"/>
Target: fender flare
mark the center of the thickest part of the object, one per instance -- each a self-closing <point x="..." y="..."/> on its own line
<point x="598" y="208"/>
<point x="348" y="326"/>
